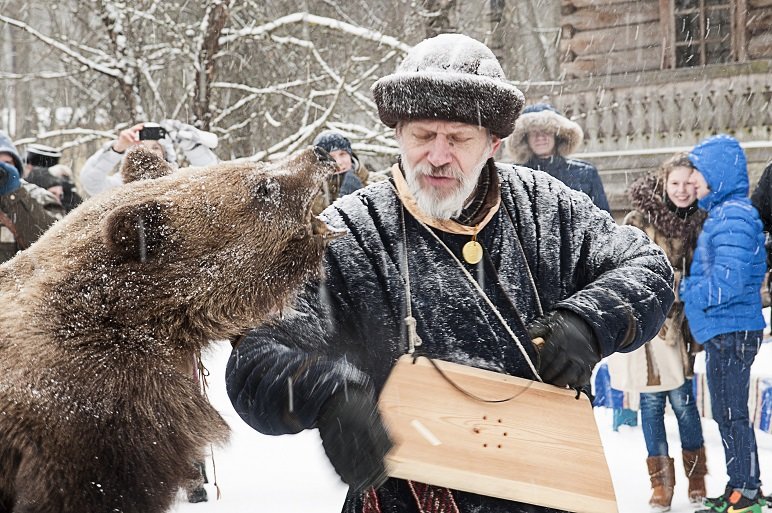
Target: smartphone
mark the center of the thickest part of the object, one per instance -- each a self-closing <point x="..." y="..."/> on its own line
<point x="152" y="132"/>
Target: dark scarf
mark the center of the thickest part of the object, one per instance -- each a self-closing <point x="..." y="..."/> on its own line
<point x="681" y="212"/>
<point x="647" y="195"/>
<point x="485" y="196"/>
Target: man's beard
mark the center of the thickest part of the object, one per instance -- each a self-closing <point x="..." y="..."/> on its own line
<point x="438" y="203"/>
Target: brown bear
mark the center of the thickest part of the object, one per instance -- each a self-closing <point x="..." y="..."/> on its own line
<point x="101" y="315"/>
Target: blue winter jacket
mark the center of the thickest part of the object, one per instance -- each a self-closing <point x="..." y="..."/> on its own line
<point x="722" y="293"/>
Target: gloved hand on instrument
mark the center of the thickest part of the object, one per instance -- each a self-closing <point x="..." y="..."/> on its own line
<point x="569" y="351"/>
<point x="354" y="438"/>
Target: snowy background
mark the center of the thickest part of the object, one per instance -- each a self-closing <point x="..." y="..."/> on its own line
<point x="290" y="474"/>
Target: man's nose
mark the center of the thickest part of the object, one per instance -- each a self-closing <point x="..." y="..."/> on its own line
<point x="440" y="152"/>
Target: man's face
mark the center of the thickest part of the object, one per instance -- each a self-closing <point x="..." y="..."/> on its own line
<point x="153" y="146"/>
<point x="343" y="159"/>
<point x="6" y="158"/>
<point x="443" y="161"/>
<point x="542" y="143"/>
<point x="699" y="183"/>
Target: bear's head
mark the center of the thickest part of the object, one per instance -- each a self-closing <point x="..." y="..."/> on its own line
<point x="199" y="254"/>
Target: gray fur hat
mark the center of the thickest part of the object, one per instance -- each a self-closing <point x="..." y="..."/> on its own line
<point x="450" y="77"/>
<point x="543" y="117"/>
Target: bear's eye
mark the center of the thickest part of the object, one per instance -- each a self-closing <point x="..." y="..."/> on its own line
<point x="267" y="187"/>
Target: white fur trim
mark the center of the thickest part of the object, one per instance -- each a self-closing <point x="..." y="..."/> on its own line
<point x="569" y="134"/>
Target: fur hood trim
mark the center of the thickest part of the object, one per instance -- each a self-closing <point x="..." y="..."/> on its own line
<point x="647" y="195"/>
<point x="568" y="134"/>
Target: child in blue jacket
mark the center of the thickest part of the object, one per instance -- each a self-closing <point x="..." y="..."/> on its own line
<point x="723" y="305"/>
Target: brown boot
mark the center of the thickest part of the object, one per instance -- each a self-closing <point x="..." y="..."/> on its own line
<point x="662" y="477"/>
<point x="695" y="466"/>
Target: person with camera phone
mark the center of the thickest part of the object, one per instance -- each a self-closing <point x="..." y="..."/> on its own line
<point x="99" y="172"/>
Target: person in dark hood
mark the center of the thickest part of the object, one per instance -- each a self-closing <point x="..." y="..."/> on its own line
<point x="762" y="200"/>
<point x="26" y="210"/>
<point x="549" y="264"/>
<point x="351" y="176"/>
<point x="542" y="139"/>
<point x="723" y="306"/>
<point x="665" y="208"/>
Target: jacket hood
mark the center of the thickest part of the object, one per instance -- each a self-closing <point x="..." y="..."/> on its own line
<point x="543" y="117"/>
<point x="722" y="162"/>
<point x="6" y="146"/>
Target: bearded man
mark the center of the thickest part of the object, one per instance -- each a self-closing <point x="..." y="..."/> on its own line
<point x="471" y="258"/>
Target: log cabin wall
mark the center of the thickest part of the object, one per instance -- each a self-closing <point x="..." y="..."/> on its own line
<point x="625" y="80"/>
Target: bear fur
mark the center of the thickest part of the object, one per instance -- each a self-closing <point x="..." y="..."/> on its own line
<point x="101" y="316"/>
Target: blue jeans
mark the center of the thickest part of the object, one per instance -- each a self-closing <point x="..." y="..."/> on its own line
<point x="687" y="416"/>
<point x="728" y="360"/>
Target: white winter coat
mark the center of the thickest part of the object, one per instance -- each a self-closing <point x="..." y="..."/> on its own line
<point x="99" y="174"/>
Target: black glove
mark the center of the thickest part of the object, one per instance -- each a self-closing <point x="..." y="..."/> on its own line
<point x="570" y="350"/>
<point x="354" y="438"/>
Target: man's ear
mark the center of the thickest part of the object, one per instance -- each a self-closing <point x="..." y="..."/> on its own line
<point x="137" y="232"/>
<point x="495" y="143"/>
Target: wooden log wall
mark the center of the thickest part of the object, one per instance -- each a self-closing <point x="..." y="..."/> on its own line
<point x="759" y="29"/>
<point x="601" y="37"/>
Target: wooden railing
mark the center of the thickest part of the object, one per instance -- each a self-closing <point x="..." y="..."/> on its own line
<point x="666" y="108"/>
<point x="633" y="122"/>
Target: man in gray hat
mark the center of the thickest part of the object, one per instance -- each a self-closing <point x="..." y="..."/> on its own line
<point x="494" y="256"/>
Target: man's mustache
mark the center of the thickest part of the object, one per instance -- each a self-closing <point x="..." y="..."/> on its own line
<point x="446" y="171"/>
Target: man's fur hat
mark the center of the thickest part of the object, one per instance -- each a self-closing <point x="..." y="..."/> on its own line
<point x="450" y="77"/>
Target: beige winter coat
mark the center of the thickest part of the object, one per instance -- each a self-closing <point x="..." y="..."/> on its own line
<point x="664" y="362"/>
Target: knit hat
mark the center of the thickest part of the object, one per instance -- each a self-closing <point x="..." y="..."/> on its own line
<point x="6" y="146"/>
<point x="450" y="77"/>
<point x="543" y="117"/>
<point x="330" y="140"/>
<point x="42" y="177"/>
<point x="40" y="155"/>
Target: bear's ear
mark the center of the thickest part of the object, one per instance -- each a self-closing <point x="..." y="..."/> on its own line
<point x="139" y="163"/>
<point x="137" y="232"/>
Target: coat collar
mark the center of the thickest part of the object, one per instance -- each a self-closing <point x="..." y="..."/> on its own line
<point x="446" y="225"/>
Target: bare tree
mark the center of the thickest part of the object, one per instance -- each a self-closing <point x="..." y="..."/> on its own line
<point x="265" y="76"/>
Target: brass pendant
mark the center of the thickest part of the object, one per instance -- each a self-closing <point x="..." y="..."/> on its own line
<point x="473" y="252"/>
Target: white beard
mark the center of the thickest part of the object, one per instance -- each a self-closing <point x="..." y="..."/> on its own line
<point x="429" y="200"/>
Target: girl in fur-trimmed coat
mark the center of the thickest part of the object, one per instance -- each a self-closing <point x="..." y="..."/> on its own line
<point x="666" y="209"/>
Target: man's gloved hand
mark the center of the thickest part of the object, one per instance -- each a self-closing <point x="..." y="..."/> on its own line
<point x="9" y="179"/>
<point x="354" y="438"/>
<point x="570" y="350"/>
<point x="188" y="136"/>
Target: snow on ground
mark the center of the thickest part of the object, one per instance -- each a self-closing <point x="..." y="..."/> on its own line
<point x="290" y="474"/>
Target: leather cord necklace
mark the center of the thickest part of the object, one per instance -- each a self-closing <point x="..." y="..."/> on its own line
<point x="472" y="250"/>
<point x="410" y="321"/>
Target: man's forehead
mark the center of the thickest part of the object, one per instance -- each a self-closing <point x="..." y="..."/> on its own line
<point x="6" y="157"/>
<point x="442" y="126"/>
